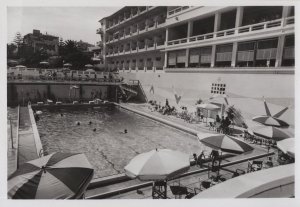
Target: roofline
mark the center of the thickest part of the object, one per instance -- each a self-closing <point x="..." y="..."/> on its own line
<point x="112" y="14"/>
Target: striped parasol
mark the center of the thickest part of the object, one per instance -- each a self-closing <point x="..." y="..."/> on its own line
<point x="224" y="143"/>
<point x="55" y="176"/>
<point x="287" y="146"/>
<point x="270" y="121"/>
<point x="159" y="164"/>
<point x="269" y="132"/>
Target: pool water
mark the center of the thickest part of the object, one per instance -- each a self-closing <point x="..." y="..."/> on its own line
<point x="108" y="148"/>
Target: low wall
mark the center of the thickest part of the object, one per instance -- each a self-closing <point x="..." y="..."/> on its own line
<point x="22" y="93"/>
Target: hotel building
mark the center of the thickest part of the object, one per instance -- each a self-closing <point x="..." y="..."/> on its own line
<point x="247" y="50"/>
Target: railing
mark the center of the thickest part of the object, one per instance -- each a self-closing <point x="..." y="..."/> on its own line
<point x="266" y="54"/>
<point x="245" y="55"/>
<point x="289" y="53"/>
<point x="177" y="10"/>
<point x="235" y="31"/>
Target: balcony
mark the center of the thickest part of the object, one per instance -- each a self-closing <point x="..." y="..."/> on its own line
<point x="177" y="10"/>
<point x="100" y="43"/>
<point x="234" y="32"/>
<point x="289" y="53"/>
<point x="99" y="31"/>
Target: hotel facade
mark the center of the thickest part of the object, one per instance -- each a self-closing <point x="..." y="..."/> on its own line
<point x="248" y="50"/>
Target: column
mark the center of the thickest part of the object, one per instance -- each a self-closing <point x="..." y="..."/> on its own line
<point x="213" y="56"/>
<point x="166" y="59"/>
<point x="129" y="65"/>
<point x="217" y="22"/>
<point x="279" y="53"/>
<point x="190" y="30"/>
<point x="286" y="10"/>
<point x="167" y="36"/>
<point x="145" y="64"/>
<point x="187" y="54"/>
<point x="239" y="16"/>
<point x="234" y="54"/>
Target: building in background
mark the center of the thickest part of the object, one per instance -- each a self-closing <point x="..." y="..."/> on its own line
<point x="244" y="52"/>
<point x="38" y="41"/>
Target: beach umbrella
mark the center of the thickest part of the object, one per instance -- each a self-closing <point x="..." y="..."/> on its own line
<point x="88" y="66"/>
<point x="287" y="146"/>
<point x="55" y="176"/>
<point x="89" y="70"/>
<point x="274" y="182"/>
<point x="269" y="132"/>
<point x="270" y="121"/>
<point x="68" y="64"/>
<point x="208" y="107"/>
<point x="224" y="143"/>
<point x="44" y="63"/>
<point x="156" y="165"/>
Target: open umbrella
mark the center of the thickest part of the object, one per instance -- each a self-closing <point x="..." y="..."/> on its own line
<point x="68" y="64"/>
<point x="287" y="146"/>
<point x="269" y="132"/>
<point x="275" y="182"/>
<point x="208" y="107"/>
<point x="55" y="176"/>
<point x="270" y="121"/>
<point x="159" y="164"/>
<point x="89" y="70"/>
<point x="88" y="66"/>
<point x="224" y="143"/>
<point x="44" y="63"/>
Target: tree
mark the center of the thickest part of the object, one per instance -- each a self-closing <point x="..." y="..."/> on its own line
<point x="18" y="40"/>
<point x="235" y="115"/>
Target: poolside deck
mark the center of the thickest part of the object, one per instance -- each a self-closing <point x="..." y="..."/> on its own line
<point x="191" y="181"/>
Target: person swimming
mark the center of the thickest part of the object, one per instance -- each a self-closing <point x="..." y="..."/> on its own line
<point x="125" y="131"/>
<point x="90" y="122"/>
<point x="94" y="129"/>
<point x="78" y="123"/>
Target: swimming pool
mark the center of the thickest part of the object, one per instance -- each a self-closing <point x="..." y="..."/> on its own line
<point x="108" y="148"/>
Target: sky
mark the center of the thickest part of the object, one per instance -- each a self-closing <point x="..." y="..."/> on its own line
<point x="75" y="23"/>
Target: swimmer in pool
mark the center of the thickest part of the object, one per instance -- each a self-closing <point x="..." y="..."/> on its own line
<point x="61" y="115"/>
<point x="90" y="122"/>
<point x="78" y="123"/>
<point x="94" y="129"/>
<point x="125" y="131"/>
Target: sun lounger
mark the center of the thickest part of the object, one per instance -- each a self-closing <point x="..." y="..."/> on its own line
<point x="40" y="103"/>
<point x="58" y="103"/>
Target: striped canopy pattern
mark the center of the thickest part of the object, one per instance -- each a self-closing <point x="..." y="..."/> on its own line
<point x="270" y="121"/>
<point x="224" y="143"/>
<point x="287" y="146"/>
<point x="159" y="164"/>
<point x="55" y="176"/>
<point x="270" y="132"/>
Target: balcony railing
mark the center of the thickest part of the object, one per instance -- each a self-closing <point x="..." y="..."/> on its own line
<point x="289" y="53"/>
<point x="245" y="55"/>
<point x="266" y="54"/>
<point x="177" y="10"/>
<point x="236" y="31"/>
<point x="99" y="31"/>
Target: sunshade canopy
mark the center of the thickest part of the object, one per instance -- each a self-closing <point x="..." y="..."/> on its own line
<point x="224" y="143"/>
<point x="287" y="146"/>
<point x="270" y="121"/>
<point x="208" y="106"/>
<point x="159" y="164"/>
<point x="44" y="63"/>
<point x="89" y="70"/>
<point x="55" y="176"/>
<point x="67" y="64"/>
<point x="270" y="132"/>
<point x="276" y="182"/>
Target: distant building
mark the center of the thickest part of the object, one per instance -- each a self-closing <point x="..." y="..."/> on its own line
<point x="39" y="41"/>
<point x="84" y="46"/>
